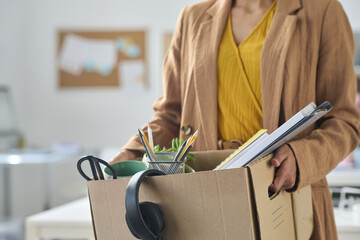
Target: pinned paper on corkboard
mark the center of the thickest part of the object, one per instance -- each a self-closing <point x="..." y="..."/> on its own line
<point x="102" y="59"/>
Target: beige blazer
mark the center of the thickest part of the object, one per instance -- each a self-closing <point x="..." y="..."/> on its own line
<point x="307" y="56"/>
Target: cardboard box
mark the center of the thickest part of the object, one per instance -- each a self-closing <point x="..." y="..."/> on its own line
<point x="224" y="204"/>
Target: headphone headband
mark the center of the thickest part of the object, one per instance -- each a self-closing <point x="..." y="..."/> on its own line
<point x="132" y="204"/>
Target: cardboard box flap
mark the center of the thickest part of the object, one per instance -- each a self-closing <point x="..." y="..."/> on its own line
<point x="107" y="202"/>
<point x="208" y="160"/>
<point x="203" y="205"/>
<point x="274" y="215"/>
<point x="303" y="213"/>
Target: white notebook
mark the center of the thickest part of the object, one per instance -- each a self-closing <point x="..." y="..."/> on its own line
<point x="243" y="149"/>
<point x="283" y="134"/>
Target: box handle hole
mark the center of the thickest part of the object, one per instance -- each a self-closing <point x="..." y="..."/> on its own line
<point x="272" y="194"/>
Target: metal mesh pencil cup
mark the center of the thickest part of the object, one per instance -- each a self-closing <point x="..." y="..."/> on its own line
<point x="165" y="162"/>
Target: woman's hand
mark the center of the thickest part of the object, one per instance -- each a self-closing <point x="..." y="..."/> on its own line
<point x="286" y="173"/>
<point x="123" y="155"/>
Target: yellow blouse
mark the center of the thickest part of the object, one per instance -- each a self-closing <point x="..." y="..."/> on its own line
<point x="239" y="86"/>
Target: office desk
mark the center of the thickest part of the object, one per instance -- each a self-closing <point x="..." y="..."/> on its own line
<point x="347" y="224"/>
<point x="73" y="220"/>
<point x="69" y="221"/>
<point x="344" y="177"/>
<point x="47" y="189"/>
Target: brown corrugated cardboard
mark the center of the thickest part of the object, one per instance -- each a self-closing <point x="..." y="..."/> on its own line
<point x="226" y="204"/>
<point x="274" y="215"/>
<point x="303" y="213"/>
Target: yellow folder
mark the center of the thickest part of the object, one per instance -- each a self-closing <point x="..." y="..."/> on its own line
<point x="242" y="147"/>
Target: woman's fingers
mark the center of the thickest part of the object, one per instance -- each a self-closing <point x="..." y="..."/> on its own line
<point x="285" y="177"/>
<point x="280" y="155"/>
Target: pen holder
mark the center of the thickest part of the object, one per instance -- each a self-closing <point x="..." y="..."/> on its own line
<point x="165" y="162"/>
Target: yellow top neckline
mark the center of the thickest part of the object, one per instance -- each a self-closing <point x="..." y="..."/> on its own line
<point x="273" y="5"/>
<point x="239" y="82"/>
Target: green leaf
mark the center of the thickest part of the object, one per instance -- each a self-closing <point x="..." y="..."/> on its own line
<point x="176" y="143"/>
<point x="157" y="148"/>
<point x="173" y="143"/>
<point x="190" y="157"/>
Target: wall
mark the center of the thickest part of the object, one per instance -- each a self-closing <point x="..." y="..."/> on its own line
<point x="352" y="9"/>
<point x="91" y="117"/>
<point x="11" y="58"/>
<point x="12" y="26"/>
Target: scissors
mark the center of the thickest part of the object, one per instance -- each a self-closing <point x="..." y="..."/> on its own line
<point x="95" y="168"/>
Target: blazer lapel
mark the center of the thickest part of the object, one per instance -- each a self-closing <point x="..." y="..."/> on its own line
<point x="272" y="65"/>
<point x="273" y="60"/>
<point x="205" y="70"/>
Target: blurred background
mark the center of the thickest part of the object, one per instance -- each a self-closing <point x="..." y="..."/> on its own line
<point x="79" y="77"/>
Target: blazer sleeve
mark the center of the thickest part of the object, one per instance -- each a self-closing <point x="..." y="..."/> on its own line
<point x="165" y="123"/>
<point x="338" y="132"/>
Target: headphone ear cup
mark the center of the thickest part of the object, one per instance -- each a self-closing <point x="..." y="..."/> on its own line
<point x="131" y="227"/>
<point x="153" y="217"/>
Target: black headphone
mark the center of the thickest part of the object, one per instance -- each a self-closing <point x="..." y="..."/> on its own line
<point x="145" y="219"/>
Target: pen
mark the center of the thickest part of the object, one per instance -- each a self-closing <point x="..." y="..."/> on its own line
<point x="151" y="140"/>
<point x="151" y="156"/>
<point x="192" y="139"/>
<point x="184" y="151"/>
<point x="182" y="159"/>
<point x="158" y="166"/>
<point x="143" y="142"/>
<point x="177" y="155"/>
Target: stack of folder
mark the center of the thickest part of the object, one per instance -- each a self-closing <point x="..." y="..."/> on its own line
<point x="262" y="143"/>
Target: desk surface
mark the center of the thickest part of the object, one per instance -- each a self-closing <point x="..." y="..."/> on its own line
<point x="69" y="221"/>
<point x="17" y="158"/>
<point x="73" y="213"/>
<point x="346" y="221"/>
<point x="344" y="177"/>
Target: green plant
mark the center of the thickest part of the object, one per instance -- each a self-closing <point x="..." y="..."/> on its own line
<point x="175" y="146"/>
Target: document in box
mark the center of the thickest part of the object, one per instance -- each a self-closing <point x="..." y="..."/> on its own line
<point x="248" y="145"/>
<point x="280" y="136"/>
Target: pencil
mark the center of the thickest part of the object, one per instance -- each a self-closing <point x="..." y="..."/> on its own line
<point x="182" y="159"/>
<point x="177" y="156"/>
<point x="192" y="139"/>
<point x="151" y="156"/>
<point x="158" y="166"/>
<point x="143" y="142"/>
<point x="147" y="142"/>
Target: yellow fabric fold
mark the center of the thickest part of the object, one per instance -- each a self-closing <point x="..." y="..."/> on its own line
<point x="239" y="84"/>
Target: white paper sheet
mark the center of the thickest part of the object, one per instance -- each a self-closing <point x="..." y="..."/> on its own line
<point x="79" y="53"/>
<point x="132" y="75"/>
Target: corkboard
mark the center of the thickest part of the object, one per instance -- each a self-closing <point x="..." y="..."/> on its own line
<point x="95" y="79"/>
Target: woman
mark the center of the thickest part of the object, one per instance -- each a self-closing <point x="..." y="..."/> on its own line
<point x="301" y="51"/>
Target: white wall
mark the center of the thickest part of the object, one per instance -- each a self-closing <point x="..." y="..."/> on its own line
<point x="11" y="59"/>
<point x="352" y="9"/>
<point x="92" y="117"/>
<point x="12" y="26"/>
